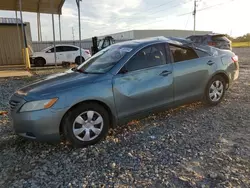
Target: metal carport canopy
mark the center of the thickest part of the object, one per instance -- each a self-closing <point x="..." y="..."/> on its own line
<point x="41" y="6"/>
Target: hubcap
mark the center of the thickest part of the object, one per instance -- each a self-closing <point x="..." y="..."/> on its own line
<point x="88" y="125"/>
<point x="216" y="90"/>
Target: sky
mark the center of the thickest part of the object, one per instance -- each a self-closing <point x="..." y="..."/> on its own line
<point x="103" y="17"/>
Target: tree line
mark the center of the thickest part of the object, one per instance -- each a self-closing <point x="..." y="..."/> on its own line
<point x="244" y="38"/>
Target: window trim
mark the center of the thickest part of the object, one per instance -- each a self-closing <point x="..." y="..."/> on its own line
<point x="155" y="43"/>
<point x="76" y="49"/>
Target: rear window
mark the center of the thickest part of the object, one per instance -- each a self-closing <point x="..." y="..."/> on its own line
<point x="197" y="39"/>
<point x="220" y="38"/>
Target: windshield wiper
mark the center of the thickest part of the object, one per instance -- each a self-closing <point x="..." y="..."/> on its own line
<point x="85" y="72"/>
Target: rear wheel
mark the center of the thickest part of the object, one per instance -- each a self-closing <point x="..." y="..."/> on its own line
<point x="77" y="60"/>
<point x="86" y="124"/>
<point x="39" y="62"/>
<point x="215" y="90"/>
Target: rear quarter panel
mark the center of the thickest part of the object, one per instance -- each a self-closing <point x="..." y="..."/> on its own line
<point x="224" y="64"/>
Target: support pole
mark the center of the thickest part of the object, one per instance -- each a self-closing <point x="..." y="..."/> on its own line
<point x="54" y="38"/>
<point x="60" y="31"/>
<point x="18" y="34"/>
<point x="79" y="22"/>
<point x="25" y="50"/>
<point x="38" y="27"/>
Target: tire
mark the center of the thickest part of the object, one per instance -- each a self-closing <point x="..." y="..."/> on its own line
<point x="39" y="62"/>
<point x="77" y="60"/>
<point x="81" y="130"/>
<point x="215" y="90"/>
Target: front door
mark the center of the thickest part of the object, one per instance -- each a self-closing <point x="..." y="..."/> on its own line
<point x="144" y="83"/>
<point x="50" y="56"/>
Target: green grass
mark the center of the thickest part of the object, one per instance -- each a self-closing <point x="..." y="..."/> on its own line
<point x="241" y="44"/>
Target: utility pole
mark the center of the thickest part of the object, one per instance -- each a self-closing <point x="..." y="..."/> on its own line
<point x="79" y="23"/>
<point x="73" y="34"/>
<point x="194" y="14"/>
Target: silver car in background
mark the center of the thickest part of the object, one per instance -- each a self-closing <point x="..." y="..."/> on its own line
<point x="123" y="81"/>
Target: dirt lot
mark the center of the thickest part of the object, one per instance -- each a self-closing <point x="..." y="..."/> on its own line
<point x="191" y="146"/>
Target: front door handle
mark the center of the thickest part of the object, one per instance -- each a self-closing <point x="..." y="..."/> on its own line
<point x="210" y="62"/>
<point x="165" y="73"/>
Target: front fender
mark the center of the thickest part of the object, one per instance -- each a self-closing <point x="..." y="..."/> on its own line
<point x="101" y="91"/>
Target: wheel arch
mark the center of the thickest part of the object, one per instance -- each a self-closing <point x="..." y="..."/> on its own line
<point x="223" y="75"/>
<point x="40" y="57"/>
<point x="78" y="56"/>
<point x="111" y="115"/>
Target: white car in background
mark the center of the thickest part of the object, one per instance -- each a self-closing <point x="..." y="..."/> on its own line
<point x="64" y="53"/>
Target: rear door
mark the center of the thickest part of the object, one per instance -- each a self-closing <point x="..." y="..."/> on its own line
<point x="191" y="73"/>
<point x="144" y="83"/>
<point x="70" y="53"/>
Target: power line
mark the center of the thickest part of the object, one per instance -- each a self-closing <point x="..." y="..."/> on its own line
<point x="152" y="8"/>
<point x="128" y="19"/>
<point x="187" y="21"/>
<point x="205" y="8"/>
<point x="197" y="10"/>
<point x="182" y="3"/>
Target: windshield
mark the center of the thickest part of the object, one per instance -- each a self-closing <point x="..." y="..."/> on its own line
<point x="45" y="49"/>
<point x="104" y="60"/>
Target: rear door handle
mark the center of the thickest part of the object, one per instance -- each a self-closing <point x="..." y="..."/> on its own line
<point x="210" y="62"/>
<point x="165" y="73"/>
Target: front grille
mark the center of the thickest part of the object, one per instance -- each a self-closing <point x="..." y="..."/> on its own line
<point x="13" y="104"/>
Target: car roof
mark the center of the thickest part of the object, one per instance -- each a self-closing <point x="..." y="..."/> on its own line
<point x="66" y="45"/>
<point x="59" y="45"/>
<point x="152" y="40"/>
<point x="209" y="34"/>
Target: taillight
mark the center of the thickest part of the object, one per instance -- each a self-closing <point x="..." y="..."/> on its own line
<point x="235" y="59"/>
<point x="87" y="51"/>
<point x="212" y="43"/>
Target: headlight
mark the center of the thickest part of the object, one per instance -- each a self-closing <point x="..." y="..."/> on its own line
<point x="38" y="105"/>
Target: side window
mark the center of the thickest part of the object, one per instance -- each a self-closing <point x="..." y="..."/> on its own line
<point x="69" y="48"/>
<point x="182" y="54"/>
<point x="201" y="53"/>
<point x="58" y="49"/>
<point x="151" y="56"/>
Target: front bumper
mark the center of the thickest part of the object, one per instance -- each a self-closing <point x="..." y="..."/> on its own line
<point x="41" y="125"/>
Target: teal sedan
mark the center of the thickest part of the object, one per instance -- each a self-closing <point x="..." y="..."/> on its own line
<point x="123" y="81"/>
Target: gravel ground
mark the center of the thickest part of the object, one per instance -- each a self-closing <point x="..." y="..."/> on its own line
<point x="190" y="146"/>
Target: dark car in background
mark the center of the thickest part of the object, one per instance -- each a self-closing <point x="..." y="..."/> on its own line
<point x="215" y="40"/>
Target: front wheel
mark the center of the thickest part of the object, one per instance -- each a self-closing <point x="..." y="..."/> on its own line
<point x="86" y="124"/>
<point x="215" y="90"/>
<point x="77" y="60"/>
<point x="39" y="62"/>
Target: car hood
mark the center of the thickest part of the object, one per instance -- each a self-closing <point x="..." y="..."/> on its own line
<point x="55" y="84"/>
<point x="37" y="54"/>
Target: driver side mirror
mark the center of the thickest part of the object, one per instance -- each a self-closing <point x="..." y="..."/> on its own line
<point x="49" y="51"/>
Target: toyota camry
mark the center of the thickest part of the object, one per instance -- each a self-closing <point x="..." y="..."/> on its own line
<point x="123" y="81"/>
